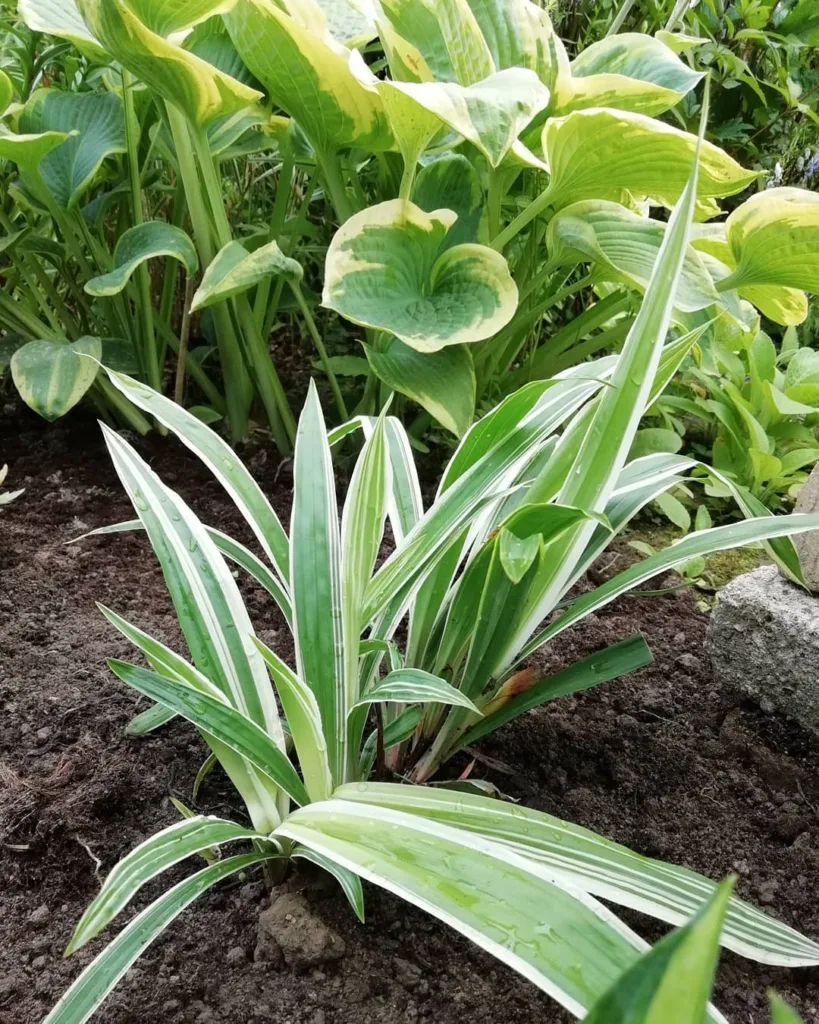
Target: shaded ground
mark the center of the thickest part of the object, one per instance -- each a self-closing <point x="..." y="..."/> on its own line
<point x="661" y="761"/>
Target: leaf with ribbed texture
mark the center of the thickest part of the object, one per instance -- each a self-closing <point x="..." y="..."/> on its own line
<point x="384" y="270"/>
<point x="52" y="376"/>
<point x="627" y="71"/>
<point x="351" y="22"/>
<point x="612" y="236"/>
<point x="99" y="124"/>
<point x="138" y="244"/>
<point x="441" y="382"/>
<point x="61" y="18"/>
<point x="600" y="154"/>
<point x="197" y="88"/>
<point x="452" y="183"/>
<point x="146" y="861"/>
<point x="596" y="865"/>
<point x="103" y="973"/>
<point x="222" y="461"/>
<point x="234" y="270"/>
<point x="166" y="17"/>
<point x="28" y="151"/>
<point x="307" y="73"/>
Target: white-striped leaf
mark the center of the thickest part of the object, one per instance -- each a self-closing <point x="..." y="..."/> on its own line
<point x="350" y="882"/>
<point x="414" y="686"/>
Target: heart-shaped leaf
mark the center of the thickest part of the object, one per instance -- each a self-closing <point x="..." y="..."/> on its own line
<point x="614" y="237"/>
<point x="600" y="154"/>
<point x="61" y="18"/>
<point x="442" y="382"/>
<point x="234" y="270"/>
<point x="98" y="123"/>
<point x="52" y="376"/>
<point x="200" y="90"/>
<point x="629" y="71"/>
<point x="138" y="244"/>
<point x="385" y="270"/>
<point x="307" y="74"/>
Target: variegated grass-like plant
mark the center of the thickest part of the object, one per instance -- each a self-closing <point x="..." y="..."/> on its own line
<point x="534" y="493"/>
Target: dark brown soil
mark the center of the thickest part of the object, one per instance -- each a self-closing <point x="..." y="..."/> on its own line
<point x="661" y="761"/>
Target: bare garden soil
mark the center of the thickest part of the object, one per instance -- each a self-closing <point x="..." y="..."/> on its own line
<point x="662" y="761"/>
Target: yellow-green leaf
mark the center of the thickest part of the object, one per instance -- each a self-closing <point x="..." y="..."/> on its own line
<point x="52" y="376"/>
<point x="27" y="151"/>
<point x="199" y="89"/>
<point x="6" y="92"/>
<point x="61" y="18"/>
<point x="385" y="270"/>
<point x="234" y="270"/>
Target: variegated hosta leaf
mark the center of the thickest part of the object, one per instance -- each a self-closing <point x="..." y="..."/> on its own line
<point x="490" y="114"/>
<point x="518" y="34"/>
<point x="52" y="376"/>
<point x="6" y="92"/>
<point x="445" y="34"/>
<point x="774" y="240"/>
<point x="307" y="74"/>
<point x="679" y="42"/>
<point x="61" y="18"/>
<point x="200" y="90"/>
<point x="234" y="270"/>
<point x="452" y="183"/>
<point x="629" y="71"/>
<point x="165" y="17"/>
<point x="140" y="243"/>
<point x="351" y="22"/>
<point x="600" y="154"/>
<point x="612" y="236"/>
<point x="96" y="125"/>
<point x="28" y="151"/>
<point x="384" y="270"/>
<point x="441" y="382"/>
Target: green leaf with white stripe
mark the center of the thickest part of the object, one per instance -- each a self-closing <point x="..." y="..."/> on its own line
<point x="234" y="270"/>
<point x="304" y="720"/>
<point x="596" y="865"/>
<point x="222" y="461"/>
<point x="315" y="575"/>
<point x="197" y="88"/>
<point x="614" y="237"/>
<point x="139" y="244"/>
<point x="105" y="971"/>
<point x="414" y="686"/>
<point x="563" y="941"/>
<point x="52" y="376"/>
<point x="215" y="717"/>
<point x="61" y="18"/>
<point x="673" y="981"/>
<point x="164" y="849"/>
<point x="441" y="382"/>
<point x="350" y="883"/>
<point x="627" y="71"/>
<point x="96" y="125"/>
<point x="602" y="154"/>
<point x="307" y="74"/>
<point x="384" y="270"/>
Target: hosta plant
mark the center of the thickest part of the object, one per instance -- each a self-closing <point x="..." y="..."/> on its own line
<point x="472" y="181"/>
<point x="535" y="491"/>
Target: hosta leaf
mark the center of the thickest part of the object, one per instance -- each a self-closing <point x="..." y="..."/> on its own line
<point x="673" y="980"/>
<point x="190" y="83"/>
<point x="211" y="41"/>
<point x="446" y="34"/>
<point x="679" y="42"/>
<point x="787" y="306"/>
<point x="234" y="270"/>
<point x="441" y="382"/>
<point x="166" y="17"/>
<point x="28" y="151"/>
<point x="517" y="33"/>
<point x="600" y="154"/>
<point x="774" y="239"/>
<point x="414" y="686"/>
<point x="351" y="22"/>
<point x="52" y="376"/>
<point x="490" y="114"/>
<point x="613" y="236"/>
<point x="628" y="71"/>
<point x="138" y="244"/>
<point x="451" y="182"/>
<point x="307" y="74"/>
<point x="384" y="270"/>
<point x="61" y="18"/>
<point x="6" y="92"/>
<point x="146" y="861"/>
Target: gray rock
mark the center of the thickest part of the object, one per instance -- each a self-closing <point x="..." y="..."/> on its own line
<point x="763" y="640"/>
<point x="807" y="544"/>
<point x="305" y="941"/>
<point x="40" y="916"/>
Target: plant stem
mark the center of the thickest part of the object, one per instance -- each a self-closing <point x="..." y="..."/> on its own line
<point x="230" y="354"/>
<point x="680" y="7"/>
<point x="195" y="371"/>
<point x="150" y="355"/>
<point x="534" y="209"/>
<point x="184" y="334"/>
<point x="620" y="17"/>
<point x="334" y="181"/>
<point x="277" y="220"/>
<point x="493" y="202"/>
<point x="322" y="351"/>
<point x="125" y="409"/>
